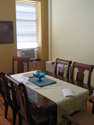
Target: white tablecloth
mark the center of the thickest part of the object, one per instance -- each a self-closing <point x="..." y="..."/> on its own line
<point x="54" y="92"/>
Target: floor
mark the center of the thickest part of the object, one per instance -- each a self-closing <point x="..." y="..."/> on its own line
<point x="8" y="121"/>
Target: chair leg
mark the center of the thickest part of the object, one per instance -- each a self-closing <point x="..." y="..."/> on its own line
<point x="69" y="123"/>
<point x="6" y="109"/>
<point x="20" y="119"/>
<point x="14" y="117"/>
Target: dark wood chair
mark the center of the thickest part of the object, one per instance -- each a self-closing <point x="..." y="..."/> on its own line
<point x="91" y="100"/>
<point x="8" y="95"/>
<point x="20" y="63"/>
<point x="26" y="111"/>
<point x="62" y="69"/>
<point x="78" y="75"/>
<point x="5" y="92"/>
<point x="79" y="118"/>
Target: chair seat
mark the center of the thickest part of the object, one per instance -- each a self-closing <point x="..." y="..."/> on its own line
<point x="84" y="118"/>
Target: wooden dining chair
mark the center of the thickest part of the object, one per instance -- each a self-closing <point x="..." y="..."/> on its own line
<point x="5" y="92"/>
<point x="21" y="63"/>
<point x="79" y="118"/>
<point x="62" y="69"/>
<point x="81" y="75"/>
<point x="9" y="95"/>
<point x="26" y="110"/>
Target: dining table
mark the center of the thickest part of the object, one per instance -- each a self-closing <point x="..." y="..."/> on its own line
<point x="51" y="99"/>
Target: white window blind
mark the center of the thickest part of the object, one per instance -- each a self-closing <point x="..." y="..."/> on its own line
<point x="27" y="24"/>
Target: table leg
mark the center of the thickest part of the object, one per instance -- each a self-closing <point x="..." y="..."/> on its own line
<point x="93" y="108"/>
<point x="53" y="116"/>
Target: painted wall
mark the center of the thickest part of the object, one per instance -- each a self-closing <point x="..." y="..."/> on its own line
<point x="44" y="29"/>
<point x="72" y="28"/>
<point x="7" y="13"/>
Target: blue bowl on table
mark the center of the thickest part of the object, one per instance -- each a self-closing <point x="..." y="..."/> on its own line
<point x="39" y="75"/>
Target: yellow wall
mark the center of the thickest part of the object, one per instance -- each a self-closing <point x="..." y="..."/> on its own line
<point x="44" y="29"/>
<point x="7" y="12"/>
<point x="73" y="30"/>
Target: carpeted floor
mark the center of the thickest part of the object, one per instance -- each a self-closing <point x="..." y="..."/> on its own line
<point x="8" y="121"/>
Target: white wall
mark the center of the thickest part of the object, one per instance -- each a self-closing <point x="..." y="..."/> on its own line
<point x="72" y="28"/>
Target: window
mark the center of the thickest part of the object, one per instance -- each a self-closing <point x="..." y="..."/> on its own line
<point x="27" y="24"/>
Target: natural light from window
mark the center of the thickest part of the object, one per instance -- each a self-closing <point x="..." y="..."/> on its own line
<point x="27" y="25"/>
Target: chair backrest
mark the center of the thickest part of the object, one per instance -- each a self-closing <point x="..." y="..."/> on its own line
<point x="62" y="69"/>
<point x="20" y="61"/>
<point x="23" y="102"/>
<point x="4" y="88"/>
<point x="19" y="98"/>
<point x="81" y="74"/>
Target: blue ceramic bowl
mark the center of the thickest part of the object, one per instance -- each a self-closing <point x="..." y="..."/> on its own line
<point x="39" y="75"/>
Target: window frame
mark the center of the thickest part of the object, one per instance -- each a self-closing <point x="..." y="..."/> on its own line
<point x="37" y="22"/>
